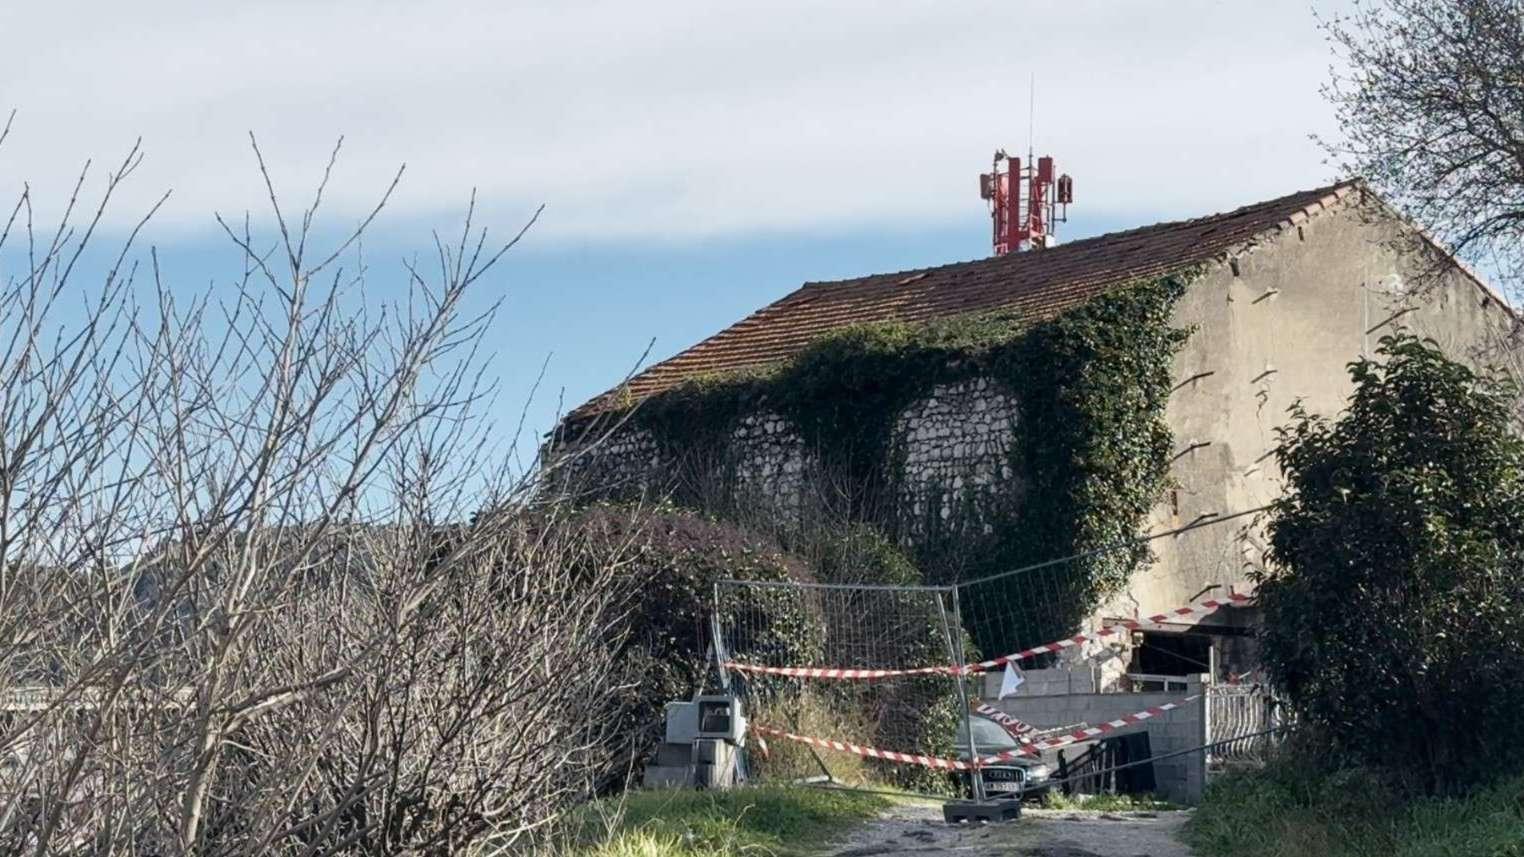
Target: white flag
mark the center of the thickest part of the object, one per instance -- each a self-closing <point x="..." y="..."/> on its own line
<point x="1011" y="680"/>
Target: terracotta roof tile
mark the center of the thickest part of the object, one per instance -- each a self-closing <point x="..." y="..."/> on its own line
<point x="1035" y="284"/>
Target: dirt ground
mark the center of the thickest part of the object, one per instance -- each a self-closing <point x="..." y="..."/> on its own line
<point x="919" y="829"/>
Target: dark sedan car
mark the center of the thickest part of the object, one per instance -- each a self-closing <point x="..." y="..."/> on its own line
<point x="1023" y="777"/>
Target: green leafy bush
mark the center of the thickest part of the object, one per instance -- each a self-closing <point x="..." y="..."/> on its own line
<point x="1394" y="610"/>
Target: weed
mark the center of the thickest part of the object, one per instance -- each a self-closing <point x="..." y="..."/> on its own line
<point x="1290" y="810"/>
<point x="681" y="823"/>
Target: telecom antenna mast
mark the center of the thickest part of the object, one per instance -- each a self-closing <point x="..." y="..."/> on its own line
<point x="1025" y="202"/>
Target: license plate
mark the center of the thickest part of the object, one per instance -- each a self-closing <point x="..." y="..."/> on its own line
<point x="1002" y="787"/>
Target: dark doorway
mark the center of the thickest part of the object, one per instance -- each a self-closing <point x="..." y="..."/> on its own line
<point x="1161" y="653"/>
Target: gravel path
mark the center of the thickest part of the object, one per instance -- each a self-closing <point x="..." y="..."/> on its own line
<point x="919" y="829"/>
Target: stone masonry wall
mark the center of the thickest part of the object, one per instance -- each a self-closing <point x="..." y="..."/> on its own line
<point x="770" y="461"/>
<point x="951" y="446"/>
<point x="955" y="443"/>
<point x="619" y="461"/>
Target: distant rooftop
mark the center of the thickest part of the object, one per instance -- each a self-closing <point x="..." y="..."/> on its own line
<point x="1036" y="284"/>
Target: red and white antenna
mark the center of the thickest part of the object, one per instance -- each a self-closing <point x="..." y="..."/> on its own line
<point x="1025" y="204"/>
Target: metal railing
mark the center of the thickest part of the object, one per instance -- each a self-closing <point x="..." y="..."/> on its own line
<point x="1243" y="722"/>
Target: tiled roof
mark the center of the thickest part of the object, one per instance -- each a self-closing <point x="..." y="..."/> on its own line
<point x="1035" y="284"/>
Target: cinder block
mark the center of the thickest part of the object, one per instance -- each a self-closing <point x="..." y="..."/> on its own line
<point x="712" y="751"/>
<point x="668" y="777"/>
<point x="673" y="755"/>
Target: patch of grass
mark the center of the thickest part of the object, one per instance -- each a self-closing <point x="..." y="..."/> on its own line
<point x="1106" y="803"/>
<point x="769" y="820"/>
<point x="811" y="714"/>
<point x="1289" y="810"/>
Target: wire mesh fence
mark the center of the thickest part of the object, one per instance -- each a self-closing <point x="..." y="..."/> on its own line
<point x="882" y="675"/>
<point x="1095" y="592"/>
<point x="891" y="684"/>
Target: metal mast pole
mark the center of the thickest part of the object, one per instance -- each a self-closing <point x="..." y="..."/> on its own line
<point x="955" y="648"/>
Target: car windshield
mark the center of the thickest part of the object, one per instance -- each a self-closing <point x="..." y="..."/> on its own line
<point x="989" y="736"/>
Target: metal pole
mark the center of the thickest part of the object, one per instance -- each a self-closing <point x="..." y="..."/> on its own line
<point x="716" y="641"/>
<point x="955" y="648"/>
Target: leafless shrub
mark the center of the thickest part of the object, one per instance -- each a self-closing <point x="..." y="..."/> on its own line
<point x="1428" y="97"/>
<point x="266" y="584"/>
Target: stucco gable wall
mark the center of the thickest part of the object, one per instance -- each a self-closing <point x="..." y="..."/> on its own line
<point x="1283" y="326"/>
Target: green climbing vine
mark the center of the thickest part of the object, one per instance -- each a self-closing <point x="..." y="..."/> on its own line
<point x="1091" y="440"/>
<point x="1093" y="447"/>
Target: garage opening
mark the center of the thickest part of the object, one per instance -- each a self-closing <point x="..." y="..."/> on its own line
<point x="1161" y="660"/>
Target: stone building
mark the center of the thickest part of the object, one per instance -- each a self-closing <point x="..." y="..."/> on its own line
<point x="1281" y="296"/>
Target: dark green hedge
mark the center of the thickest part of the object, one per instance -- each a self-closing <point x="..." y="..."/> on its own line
<point x="1394" y="612"/>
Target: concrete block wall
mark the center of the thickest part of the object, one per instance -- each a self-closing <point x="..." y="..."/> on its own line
<point x="1095" y="666"/>
<point x="1180" y="779"/>
<point x="1059" y="681"/>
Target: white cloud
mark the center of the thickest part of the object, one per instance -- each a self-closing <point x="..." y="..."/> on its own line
<point x="669" y="119"/>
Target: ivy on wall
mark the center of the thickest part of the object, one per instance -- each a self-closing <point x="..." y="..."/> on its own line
<point x="1091" y="454"/>
<point x="1094" y="448"/>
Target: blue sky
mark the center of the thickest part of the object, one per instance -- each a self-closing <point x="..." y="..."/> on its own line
<point x="696" y="160"/>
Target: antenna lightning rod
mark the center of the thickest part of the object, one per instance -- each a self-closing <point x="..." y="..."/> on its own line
<point x="1026" y="201"/>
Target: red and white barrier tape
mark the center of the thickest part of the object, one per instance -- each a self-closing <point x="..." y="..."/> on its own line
<point x="1088" y="732"/>
<point x="1085" y="734"/>
<point x="869" y="752"/>
<point x="1211" y="605"/>
<point x="1017" y="728"/>
<point x="1208" y="606"/>
<point x="839" y="673"/>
